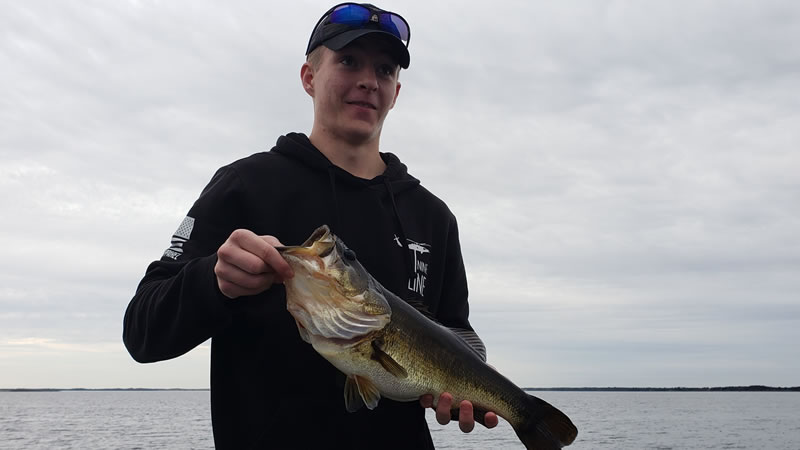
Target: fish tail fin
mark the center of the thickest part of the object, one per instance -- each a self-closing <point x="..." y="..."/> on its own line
<point x="546" y="427"/>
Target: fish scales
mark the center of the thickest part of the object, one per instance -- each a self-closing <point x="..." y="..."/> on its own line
<point x="448" y="366"/>
<point x="388" y="348"/>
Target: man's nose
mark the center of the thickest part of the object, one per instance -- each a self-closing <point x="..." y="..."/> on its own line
<point x="368" y="80"/>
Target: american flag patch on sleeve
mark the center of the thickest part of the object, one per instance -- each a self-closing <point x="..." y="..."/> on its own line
<point x="182" y="234"/>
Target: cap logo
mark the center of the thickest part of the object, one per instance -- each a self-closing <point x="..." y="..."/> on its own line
<point x="374" y="18"/>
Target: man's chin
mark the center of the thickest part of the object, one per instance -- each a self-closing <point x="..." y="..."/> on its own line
<point x="359" y="135"/>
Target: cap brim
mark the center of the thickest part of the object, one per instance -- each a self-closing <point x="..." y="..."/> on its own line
<point x="396" y="46"/>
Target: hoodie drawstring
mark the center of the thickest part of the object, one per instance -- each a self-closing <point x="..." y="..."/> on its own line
<point x="409" y="263"/>
<point x="401" y="229"/>
<point x="335" y="203"/>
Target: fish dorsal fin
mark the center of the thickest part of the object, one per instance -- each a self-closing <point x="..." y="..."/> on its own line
<point x="386" y="361"/>
<point x="472" y="340"/>
<point x="468" y="336"/>
<point x="420" y="306"/>
<point x="360" y="391"/>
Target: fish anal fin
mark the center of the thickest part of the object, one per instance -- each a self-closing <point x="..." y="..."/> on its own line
<point x="352" y="398"/>
<point x="369" y="392"/>
<point x="386" y="361"/>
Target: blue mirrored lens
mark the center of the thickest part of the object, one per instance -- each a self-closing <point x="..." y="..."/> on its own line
<point x="353" y="15"/>
<point x="394" y="25"/>
<point x="358" y="16"/>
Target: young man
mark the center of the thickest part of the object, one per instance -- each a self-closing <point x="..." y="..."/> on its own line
<point x="221" y="279"/>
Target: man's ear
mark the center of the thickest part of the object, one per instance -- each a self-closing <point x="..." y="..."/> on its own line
<point x="396" y="93"/>
<point x="307" y="78"/>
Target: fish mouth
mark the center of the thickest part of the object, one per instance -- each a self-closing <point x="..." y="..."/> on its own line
<point x="320" y="244"/>
<point x="330" y="312"/>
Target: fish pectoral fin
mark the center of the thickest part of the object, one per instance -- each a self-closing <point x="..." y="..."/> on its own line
<point x="352" y="399"/>
<point x="387" y="362"/>
<point x="360" y="391"/>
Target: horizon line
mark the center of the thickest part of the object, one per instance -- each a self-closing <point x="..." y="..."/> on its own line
<point x="562" y="388"/>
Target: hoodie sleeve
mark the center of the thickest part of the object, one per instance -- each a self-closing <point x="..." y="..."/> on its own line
<point x="178" y="304"/>
<point x="454" y="306"/>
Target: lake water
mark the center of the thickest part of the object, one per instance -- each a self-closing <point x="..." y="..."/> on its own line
<point x="606" y="420"/>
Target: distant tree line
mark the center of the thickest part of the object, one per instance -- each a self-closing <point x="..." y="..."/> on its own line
<point x="752" y="388"/>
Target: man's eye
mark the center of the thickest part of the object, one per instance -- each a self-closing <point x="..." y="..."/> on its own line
<point x="347" y="60"/>
<point x="386" y="70"/>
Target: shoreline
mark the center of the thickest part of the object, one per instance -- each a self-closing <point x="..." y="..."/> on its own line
<point x="752" y="388"/>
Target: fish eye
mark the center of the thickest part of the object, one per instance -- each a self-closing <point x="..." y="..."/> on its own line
<point x="349" y="255"/>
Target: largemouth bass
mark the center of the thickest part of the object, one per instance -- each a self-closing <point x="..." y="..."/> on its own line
<point x="388" y="348"/>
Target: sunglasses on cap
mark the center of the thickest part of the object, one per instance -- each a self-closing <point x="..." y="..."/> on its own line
<point x="357" y="16"/>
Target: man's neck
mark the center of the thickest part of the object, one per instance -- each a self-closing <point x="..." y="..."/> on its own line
<point x="361" y="159"/>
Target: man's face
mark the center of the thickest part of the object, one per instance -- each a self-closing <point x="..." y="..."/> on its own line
<point x="353" y="90"/>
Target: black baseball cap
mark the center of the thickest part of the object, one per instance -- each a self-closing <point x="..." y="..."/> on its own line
<point x="346" y="22"/>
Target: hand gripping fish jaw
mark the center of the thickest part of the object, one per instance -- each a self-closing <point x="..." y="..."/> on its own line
<point x="331" y="295"/>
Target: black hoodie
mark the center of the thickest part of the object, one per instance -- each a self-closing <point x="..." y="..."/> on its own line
<point x="269" y="389"/>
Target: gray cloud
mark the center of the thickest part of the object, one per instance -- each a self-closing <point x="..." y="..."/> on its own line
<point x="624" y="174"/>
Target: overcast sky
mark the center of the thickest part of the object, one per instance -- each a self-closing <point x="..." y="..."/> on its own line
<point x="625" y="174"/>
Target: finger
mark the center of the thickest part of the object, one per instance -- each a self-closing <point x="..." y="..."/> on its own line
<point x="271" y="240"/>
<point x="465" y="419"/>
<point x="426" y="401"/>
<point x="230" y="256"/>
<point x="236" y="283"/>
<point x="274" y="259"/>
<point x="236" y="276"/>
<point x="262" y="247"/>
<point x="443" y="408"/>
<point x="233" y="291"/>
<point x="490" y="420"/>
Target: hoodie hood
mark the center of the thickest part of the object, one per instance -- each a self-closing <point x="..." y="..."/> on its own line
<point x="298" y="147"/>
